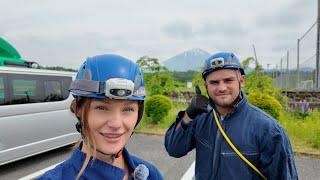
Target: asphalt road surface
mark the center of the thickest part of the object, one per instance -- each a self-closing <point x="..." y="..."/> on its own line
<point x="147" y="147"/>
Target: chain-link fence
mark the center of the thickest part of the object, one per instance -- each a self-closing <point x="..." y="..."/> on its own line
<point x="297" y="68"/>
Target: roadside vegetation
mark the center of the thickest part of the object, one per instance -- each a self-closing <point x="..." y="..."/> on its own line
<point x="303" y="128"/>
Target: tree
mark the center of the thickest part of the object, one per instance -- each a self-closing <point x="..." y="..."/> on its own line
<point x="148" y="64"/>
<point x="248" y="61"/>
<point x="256" y="82"/>
<point x="159" y="83"/>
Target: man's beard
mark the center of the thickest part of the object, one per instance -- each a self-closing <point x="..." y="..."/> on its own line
<point x="224" y="102"/>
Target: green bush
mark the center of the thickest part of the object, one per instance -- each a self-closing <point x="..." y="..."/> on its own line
<point x="267" y="103"/>
<point x="157" y="108"/>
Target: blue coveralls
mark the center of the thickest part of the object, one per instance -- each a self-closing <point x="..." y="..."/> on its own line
<point x="97" y="169"/>
<point x="257" y="135"/>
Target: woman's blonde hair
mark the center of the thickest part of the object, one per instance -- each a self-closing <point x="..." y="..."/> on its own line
<point x="80" y="107"/>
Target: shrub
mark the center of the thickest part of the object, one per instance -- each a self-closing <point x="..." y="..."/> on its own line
<point x="157" y="108"/>
<point x="267" y="103"/>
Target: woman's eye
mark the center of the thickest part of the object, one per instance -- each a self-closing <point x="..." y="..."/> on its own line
<point x="100" y="108"/>
<point x="129" y="109"/>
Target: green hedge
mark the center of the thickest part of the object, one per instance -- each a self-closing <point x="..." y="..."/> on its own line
<point x="267" y="103"/>
<point x="157" y="108"/>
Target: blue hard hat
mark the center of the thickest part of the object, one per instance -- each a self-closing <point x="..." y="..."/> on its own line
<point x="109" y="76"/>
<point x="222" y="60"/>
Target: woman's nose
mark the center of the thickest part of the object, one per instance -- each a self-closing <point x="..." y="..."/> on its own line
<point x="115" y="120"/>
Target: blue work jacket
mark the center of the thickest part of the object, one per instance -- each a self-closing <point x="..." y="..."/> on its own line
<point x="257" y="135"/>
<point x="97" y="169"/>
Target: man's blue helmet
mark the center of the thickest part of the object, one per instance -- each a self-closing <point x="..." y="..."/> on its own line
<point x="109" y="76"/>
<point x="222" y="60"/>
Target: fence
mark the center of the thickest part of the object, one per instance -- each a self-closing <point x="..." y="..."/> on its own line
<point x="297" y="69"/>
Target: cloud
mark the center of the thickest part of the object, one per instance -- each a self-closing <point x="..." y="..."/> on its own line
<point x="225" y="28"/>
<point x="67" y="50"/>
<point x="178" y="30"/>
<point x="291" y="15"/>
<point x="45" y="32"/>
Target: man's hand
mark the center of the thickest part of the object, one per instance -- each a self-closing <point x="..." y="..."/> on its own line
<point x="198" y="104"/>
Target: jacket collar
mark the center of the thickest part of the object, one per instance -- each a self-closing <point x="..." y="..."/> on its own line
<point x="78" y="158"/>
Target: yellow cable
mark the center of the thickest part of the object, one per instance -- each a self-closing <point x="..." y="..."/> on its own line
<point x="235" y="149"/>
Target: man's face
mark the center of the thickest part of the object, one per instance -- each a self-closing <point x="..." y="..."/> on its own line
<point x="223" y="86"/>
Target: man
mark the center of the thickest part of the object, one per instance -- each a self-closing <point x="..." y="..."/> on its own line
<point x="257" y="136"/>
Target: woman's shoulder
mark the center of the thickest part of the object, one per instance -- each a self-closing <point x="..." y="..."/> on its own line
<point x="63" y="170"/>
<point x="154" y="173"/>
<point x="57" y="172"/>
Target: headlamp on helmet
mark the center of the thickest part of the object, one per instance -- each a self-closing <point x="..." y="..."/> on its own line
<point x="217" y="63"/>
<point x="119" y="88"/>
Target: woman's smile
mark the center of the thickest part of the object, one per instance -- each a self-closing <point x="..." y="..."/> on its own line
<point x="112" y="137"/>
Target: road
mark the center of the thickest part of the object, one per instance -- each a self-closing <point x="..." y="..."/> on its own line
<point x="149" y="148"/>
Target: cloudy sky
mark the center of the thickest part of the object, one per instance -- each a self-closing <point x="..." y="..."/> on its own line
<point x="65" y="32"/>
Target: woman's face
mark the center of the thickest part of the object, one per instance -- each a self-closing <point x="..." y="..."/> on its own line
<point x="111" y="123"/>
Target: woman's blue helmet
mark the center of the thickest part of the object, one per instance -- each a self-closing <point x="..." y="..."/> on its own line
<point x="109" y="76"/>
<point x="222" y="60"/>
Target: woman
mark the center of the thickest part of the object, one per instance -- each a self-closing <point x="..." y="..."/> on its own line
<point x="108" y="102"/>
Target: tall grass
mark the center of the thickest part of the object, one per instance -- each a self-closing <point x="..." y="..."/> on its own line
<point x="303" y="131"/>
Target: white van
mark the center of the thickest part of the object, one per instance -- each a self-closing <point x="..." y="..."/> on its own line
<point x="34" y="112"/>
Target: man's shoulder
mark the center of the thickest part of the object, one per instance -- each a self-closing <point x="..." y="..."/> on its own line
<point x="261" y="117"/>
<point x="259" y="112"/>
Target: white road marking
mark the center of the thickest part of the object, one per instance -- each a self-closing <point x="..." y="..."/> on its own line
<point x="38" y="173"/>
<point x="189" y="173"/>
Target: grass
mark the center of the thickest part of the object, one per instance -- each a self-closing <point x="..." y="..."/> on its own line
<point x="304" y="132"/>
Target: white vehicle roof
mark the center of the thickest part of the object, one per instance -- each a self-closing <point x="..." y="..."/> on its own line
<point x="23" y="70"/>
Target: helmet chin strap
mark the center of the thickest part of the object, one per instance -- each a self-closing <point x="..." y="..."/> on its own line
<point x="112" y="156"/>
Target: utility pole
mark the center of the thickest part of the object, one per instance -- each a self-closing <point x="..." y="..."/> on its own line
<point x="281" y="75"/>
<point x="318" y="46"/>
<point x="255" y="55"/>
<point x="287" y="74"/>
<point x="298" y="65"/>
<point x="277" y="77"/>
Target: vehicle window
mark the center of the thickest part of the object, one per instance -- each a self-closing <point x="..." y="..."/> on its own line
<point x="1" y="89"/>
<point x="24" y="91"/>
<point x="52" y="91"/>
<point x="25" y="88"/>
<point x="66" y="81"/>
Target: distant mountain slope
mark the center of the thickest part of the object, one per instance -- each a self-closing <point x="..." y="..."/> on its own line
<point x="189" y="60"/>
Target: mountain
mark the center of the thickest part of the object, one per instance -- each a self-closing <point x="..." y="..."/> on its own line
<point x="189" y="60"/>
